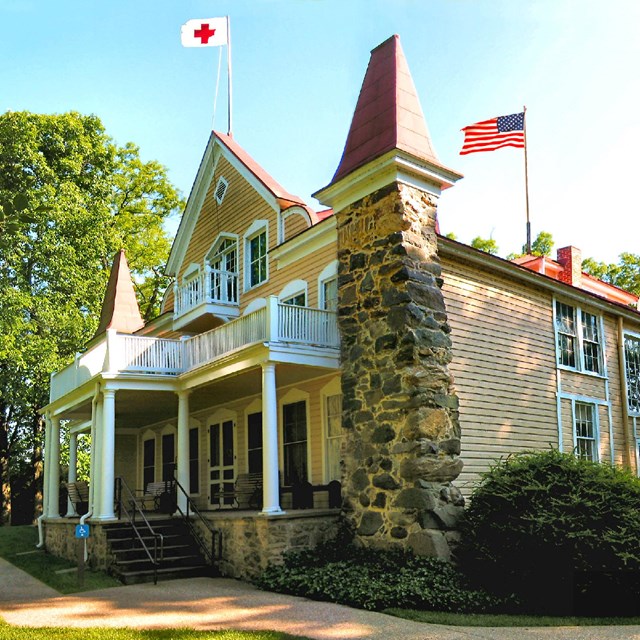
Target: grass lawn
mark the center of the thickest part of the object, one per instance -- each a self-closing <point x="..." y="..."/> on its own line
<point x="18" y="546"/>
<point x="497" y="620"/>
<point x="57" y="633"/>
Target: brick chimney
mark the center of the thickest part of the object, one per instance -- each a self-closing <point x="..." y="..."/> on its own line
<point x="571" y="260"/>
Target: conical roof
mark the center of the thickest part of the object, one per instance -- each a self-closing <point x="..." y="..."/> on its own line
<point x="120" y="310"/>
<point x="388" y="114"/>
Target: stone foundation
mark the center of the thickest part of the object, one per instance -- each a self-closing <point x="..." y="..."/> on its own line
<point x="400" y="411"/>
<point x="60" y="540"/>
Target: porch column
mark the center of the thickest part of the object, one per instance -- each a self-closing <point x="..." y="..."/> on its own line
<point x="53" y="476"/>
<point x="95" y="480"/>
<point x="182" y="471"/>
<point x="47" y="465"/>
<point x="73" y="468"/>
<point x="108" y="439"/>
<point x="270" y="480"/>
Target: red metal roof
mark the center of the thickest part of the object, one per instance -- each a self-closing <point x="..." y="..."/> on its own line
<point x="388" y="114"/>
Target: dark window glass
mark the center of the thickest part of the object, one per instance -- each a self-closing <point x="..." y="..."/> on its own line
<point x="149" y="462"/>
<point x="168" y="456"/>
<point x="254" y="442"/>
<point x="295" y="442"/>
<point x="194" y="467"/>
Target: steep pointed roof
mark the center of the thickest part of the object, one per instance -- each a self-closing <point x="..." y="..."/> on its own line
<point x="120" y="310"/>
<point x="388" y="114"/>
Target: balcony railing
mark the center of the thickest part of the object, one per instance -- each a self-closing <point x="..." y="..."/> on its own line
<point x="275" y="323"/>
<point x="211" y="286"/>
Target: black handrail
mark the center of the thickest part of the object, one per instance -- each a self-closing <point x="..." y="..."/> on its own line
<point x="216" y="535"/>
<point x="158" y="538"/>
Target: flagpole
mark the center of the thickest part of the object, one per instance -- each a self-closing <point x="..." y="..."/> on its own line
<point x="230" y="132"/>
<point x="526" y="177"/>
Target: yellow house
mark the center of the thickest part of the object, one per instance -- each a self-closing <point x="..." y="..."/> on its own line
<point x="249" y="397"/>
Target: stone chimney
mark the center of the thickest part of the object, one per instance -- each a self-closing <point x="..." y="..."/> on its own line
<point x="400" y="410"/>
<point x="571" y="260"/>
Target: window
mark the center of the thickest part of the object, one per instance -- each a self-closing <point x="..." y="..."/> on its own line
<point x="148" y="461"/>
<point x="632" y="367"/>
<point x="585" y="431"/>
<point x="194" y="467"/>
<point x="254" y="442"/>
<point x="335" y="435"/>
<point x="168" y="456"/>
<point x="330" y="294"/>
<point x="256" y="246"/>
<point x="299" y="300"/>
<point x="579" y="338"/>
<point x="223" y="268"/>
<point x="294" y="425"/>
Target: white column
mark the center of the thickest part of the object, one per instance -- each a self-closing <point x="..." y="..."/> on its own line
<point x="73" y="468"/>
<point x="96" y="459"/>
<point x="273" y="333"/>
<point x="47" y="465"/>
<point x="270" y="480"/>
<point x="53" y="477"/>
<point x="182" y="471"/>
<point x="107" y="443"/>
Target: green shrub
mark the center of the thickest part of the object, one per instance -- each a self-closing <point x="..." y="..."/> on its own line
<point x="550" y="526"/>
<point x="375" y="580"/>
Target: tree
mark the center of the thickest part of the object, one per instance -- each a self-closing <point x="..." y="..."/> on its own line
<point x="625" y="274"/>
<point x="488" y="245"/>
<point x="71" y="198"/>
<point x="541" y="246"/>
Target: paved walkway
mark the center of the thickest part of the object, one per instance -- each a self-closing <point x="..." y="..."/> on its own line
<point x="218" y="603"/>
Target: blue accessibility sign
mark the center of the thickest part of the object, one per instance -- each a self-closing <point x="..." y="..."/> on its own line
<point x="82" y="531"/>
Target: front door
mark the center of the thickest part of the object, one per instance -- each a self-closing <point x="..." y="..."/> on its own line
<point x="221" y="464"/>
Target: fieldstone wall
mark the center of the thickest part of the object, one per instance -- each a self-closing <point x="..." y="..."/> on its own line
<point x="250" y="543"/>
<point x="60" y="540"/>
<point x="400" y="410"/>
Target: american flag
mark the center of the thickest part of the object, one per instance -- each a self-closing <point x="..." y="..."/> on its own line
<point x="489" y="135"/>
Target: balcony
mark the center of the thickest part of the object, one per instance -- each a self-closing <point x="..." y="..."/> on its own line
<point x="211" y="291"/>
<point x="276" y="324"/>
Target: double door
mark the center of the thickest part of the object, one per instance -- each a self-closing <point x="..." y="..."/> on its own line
<point x="221" y="464"/>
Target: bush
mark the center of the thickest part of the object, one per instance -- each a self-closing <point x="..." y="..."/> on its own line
<point x="559" y="531"/>
<point x="375" y="580"/>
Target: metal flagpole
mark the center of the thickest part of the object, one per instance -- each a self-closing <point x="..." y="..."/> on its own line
<point x="230" y="132"/>
<point x="526" y="177"/>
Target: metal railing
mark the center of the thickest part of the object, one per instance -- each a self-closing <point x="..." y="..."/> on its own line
<point x="124" y="497"/>
<point x="213" y="552"/>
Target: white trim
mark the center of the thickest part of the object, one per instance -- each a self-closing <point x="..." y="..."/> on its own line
<point x="296" y="210"/>
<point x="220" y="416"/>
<point x="295" y="288"/>
<point x="191" y="271"/>
<point x="254" y="305"/>
<point x="330" y="272"/>
<point x="220" y="238"/>
<point x="596" y="425"/>
<point x="225" y="186"/>
<point x="332" y="388"/>
<point x="316" y="237"/>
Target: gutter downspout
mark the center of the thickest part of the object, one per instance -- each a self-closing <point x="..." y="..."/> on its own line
<point x="625" y="395"/>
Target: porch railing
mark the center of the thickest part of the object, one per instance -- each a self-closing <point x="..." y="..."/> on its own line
<point x="121" y="353"/>
<point x="209" y="286"/>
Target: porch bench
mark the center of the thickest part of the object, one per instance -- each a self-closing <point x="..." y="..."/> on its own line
<point x="246" y="492"/>
<point x="152" y="495"/>
<point x="78" y="493"/>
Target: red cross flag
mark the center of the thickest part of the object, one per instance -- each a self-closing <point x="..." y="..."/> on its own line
<point x="208" y="32"/>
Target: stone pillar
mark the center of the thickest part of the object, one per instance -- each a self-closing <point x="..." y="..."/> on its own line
<point x="270" y="465"/>
<point x="400" y="410"/>
<point x="73" y="468"/>
<point x="182" y="471"/>
<point x="107" y="446"/>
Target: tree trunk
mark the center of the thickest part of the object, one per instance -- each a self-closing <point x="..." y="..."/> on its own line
<point x="36" y="462"/>
<point x="5" y="478"/>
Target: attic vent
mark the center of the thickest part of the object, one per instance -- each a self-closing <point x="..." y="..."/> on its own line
<point x="221" y="189"/>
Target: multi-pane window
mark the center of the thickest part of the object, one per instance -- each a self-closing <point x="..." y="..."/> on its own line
<point x="224" y="271"/>
<point x="579" y="339"/>
<point x="294" y="429"/>
<point x="148" y="461"/>
<point x="257" y="247"/>
<point x="299" y="300"/>
<point x="585" y="431"/>
<point x="330" y="294"/>
<point x="632" y="365"/>
<point x="254" y="442"/>
<point x="335" y="435"/>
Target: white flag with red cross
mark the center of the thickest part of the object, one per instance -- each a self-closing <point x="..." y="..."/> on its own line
<point x="207" y="32"/>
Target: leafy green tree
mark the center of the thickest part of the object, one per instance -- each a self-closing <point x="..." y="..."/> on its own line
<point x="541" y="246"/>
<point x="625" y="274"/>
<point x="71" y="198"/>
<point x="489" y="245"/>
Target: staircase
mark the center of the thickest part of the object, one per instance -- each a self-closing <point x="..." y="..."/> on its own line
<point x="180" y="558"/>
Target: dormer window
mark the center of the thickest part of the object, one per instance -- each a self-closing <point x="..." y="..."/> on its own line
<point x="221" y="190"/>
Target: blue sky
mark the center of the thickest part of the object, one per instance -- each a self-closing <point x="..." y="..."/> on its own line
<point x="297" y="69"/>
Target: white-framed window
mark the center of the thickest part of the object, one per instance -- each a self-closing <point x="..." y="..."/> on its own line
<point x="334" y="435"/>
<point x="256" y="246"/>
<point x="221" y="190"/>
<point x="328" y="287"/>
<point x="223" y="268"/>
<point x="148" y="459"/>
<point x="294" y="293"/>
<point x="294" y="422"/>
<point x="194" y="461"/>
<point x="585" y="430"/>
<point x="579" y="339"/>
<point x="632" y="370"/>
